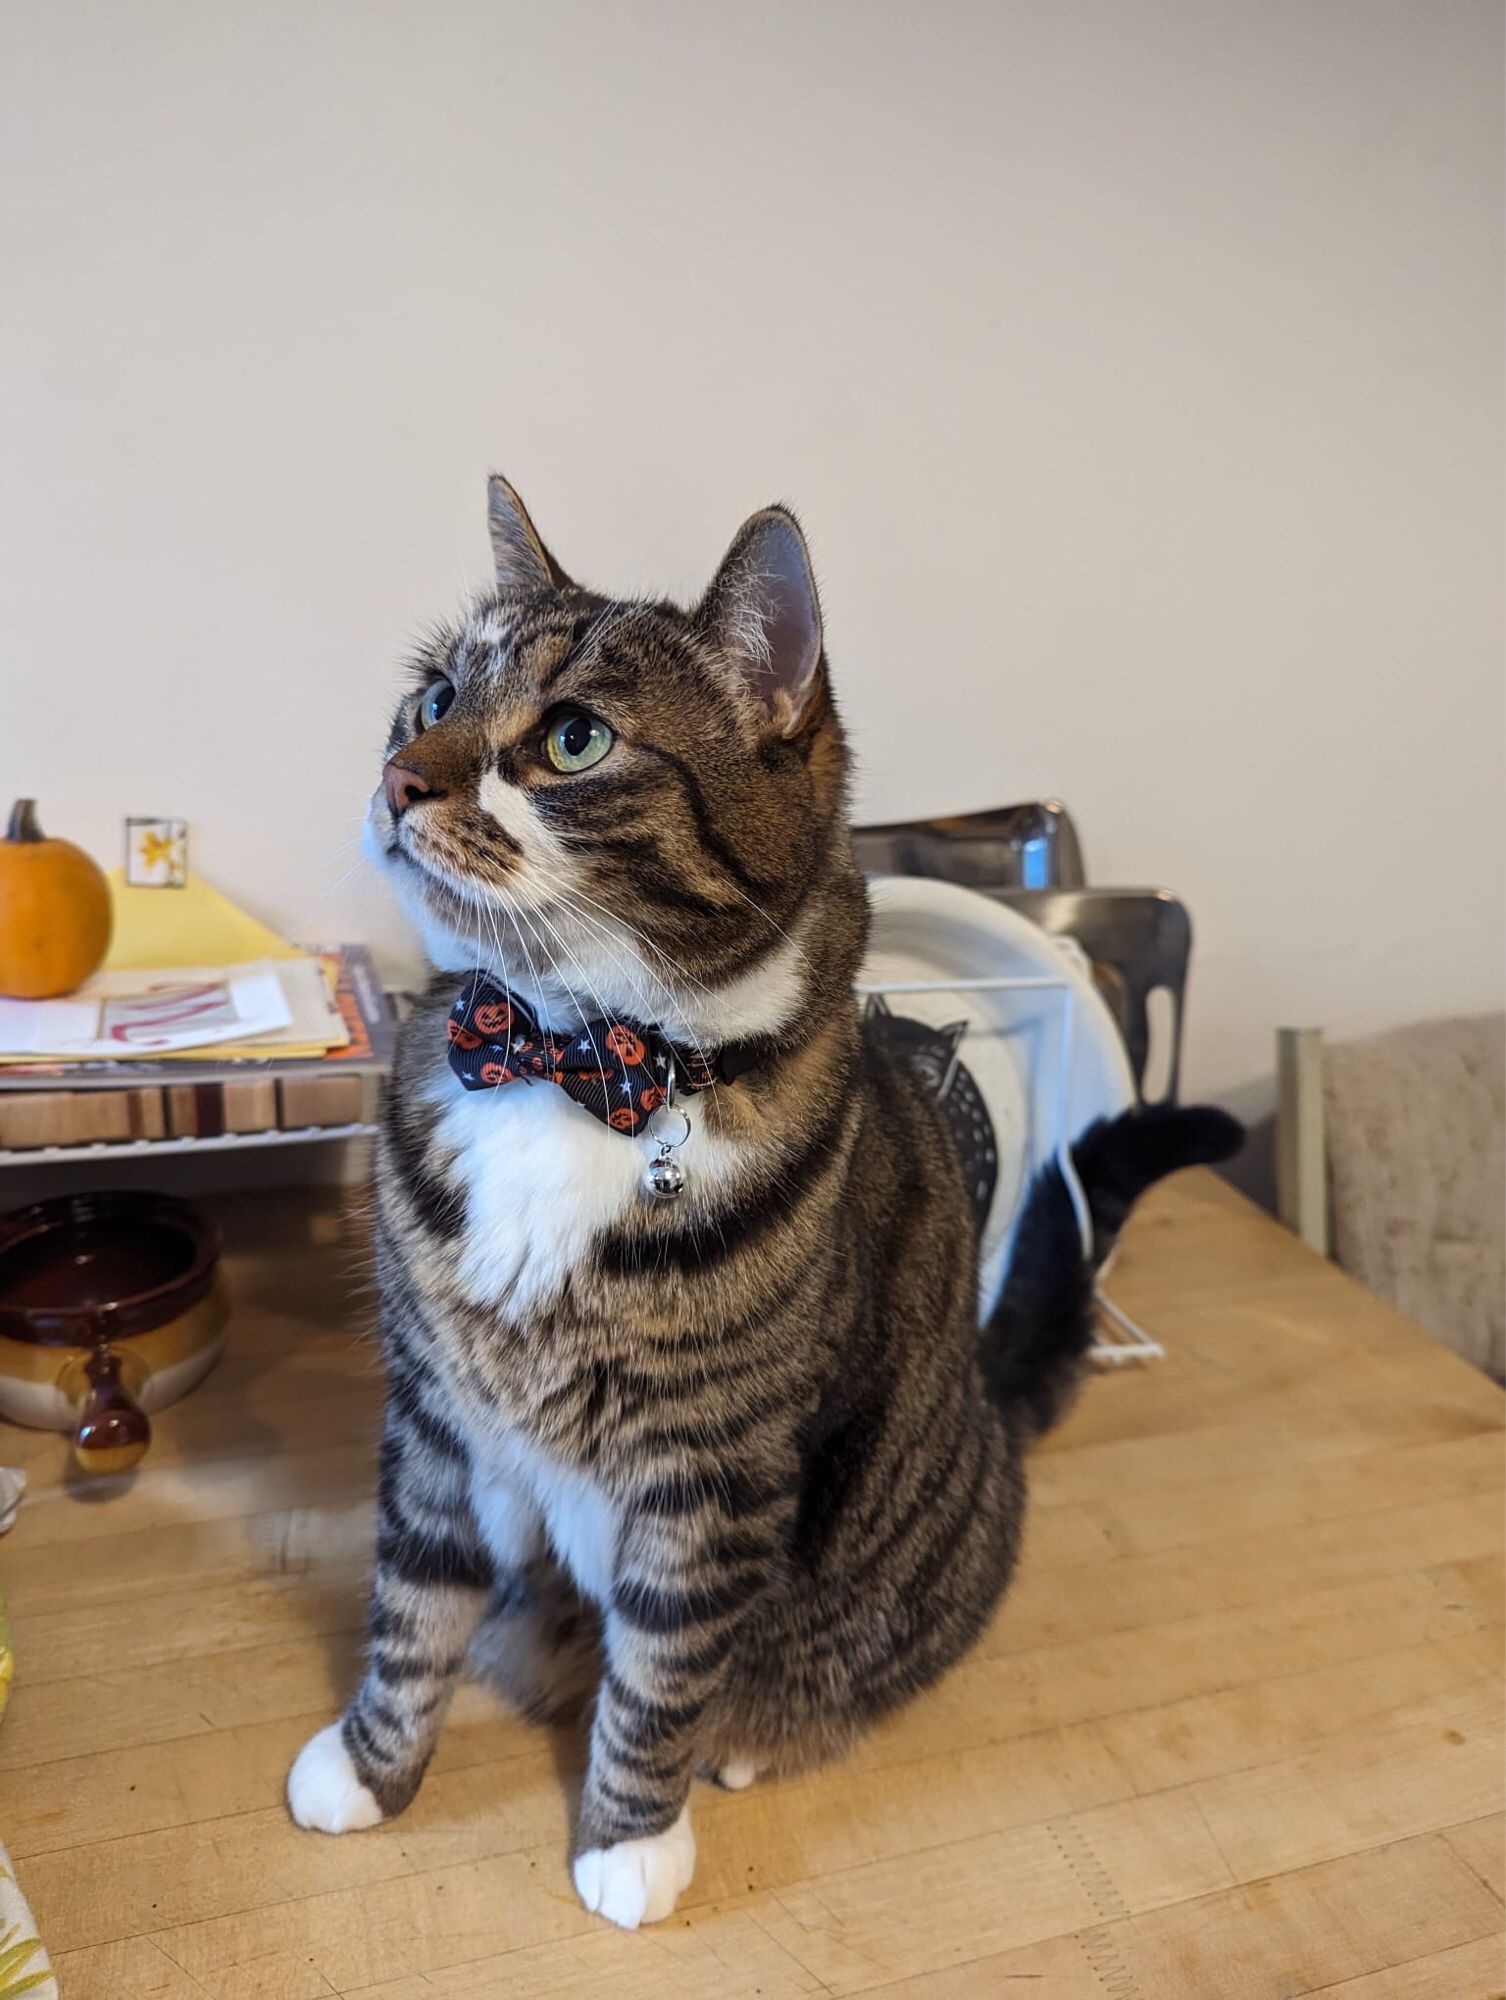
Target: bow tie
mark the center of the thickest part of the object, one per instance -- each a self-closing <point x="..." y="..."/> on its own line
<point x="616" y="1069"/>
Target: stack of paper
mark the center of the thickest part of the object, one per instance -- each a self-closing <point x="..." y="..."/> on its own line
<point x="264" y="1006"/>
<point x="186" y="971"/>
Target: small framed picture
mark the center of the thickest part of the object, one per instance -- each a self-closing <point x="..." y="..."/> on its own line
<point x="156" y="853"/>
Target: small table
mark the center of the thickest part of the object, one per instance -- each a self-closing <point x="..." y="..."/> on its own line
<point x="1236" y="1732"/>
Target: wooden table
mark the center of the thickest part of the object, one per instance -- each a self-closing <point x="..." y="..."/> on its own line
<point x="1238" y="1730"/>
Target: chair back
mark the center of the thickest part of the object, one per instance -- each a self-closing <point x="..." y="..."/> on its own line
<point x="1029" y="846"/>
<point x="1139" y="940"/>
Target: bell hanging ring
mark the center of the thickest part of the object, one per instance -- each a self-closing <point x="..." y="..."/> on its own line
<point x="663" y="1177"/>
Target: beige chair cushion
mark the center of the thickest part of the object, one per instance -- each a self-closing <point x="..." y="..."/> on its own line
<point x="1416" y="1129"/>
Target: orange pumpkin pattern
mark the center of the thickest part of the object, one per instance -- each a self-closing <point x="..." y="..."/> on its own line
<point x="624" y="1044"/>
<point x="616" y="1070"/>
<point x="493" y="1017"/>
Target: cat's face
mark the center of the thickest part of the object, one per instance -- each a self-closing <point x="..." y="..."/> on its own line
<point x="621" y="806"/>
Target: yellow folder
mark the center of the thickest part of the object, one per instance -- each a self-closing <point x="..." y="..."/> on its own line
<point x="196" y="925"/>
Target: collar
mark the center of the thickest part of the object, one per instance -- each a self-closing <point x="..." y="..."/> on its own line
<point x="618" y="1069"/>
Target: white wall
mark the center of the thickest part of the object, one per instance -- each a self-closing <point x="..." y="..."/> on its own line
<point x="1136" y="367"/>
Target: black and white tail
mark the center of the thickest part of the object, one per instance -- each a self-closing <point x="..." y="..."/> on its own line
<point x="1036" y="1338"/>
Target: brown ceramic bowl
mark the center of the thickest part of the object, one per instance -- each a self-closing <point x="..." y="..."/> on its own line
<point x="111" y="1306"/>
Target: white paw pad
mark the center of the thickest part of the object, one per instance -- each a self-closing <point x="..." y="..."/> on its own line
<point x="638" y="1881"/>
<point x="737" y="1775"/>
<point x="323" y="1789"/>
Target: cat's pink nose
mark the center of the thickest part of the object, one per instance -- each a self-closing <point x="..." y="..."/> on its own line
<point x="403" y="787"/>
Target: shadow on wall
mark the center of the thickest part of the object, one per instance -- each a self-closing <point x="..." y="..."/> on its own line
<point x="1253" y="1168"/>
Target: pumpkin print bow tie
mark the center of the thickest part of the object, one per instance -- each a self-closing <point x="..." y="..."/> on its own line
<point x="616" y="1069"/>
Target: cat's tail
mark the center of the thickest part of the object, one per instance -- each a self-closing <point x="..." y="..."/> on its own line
<point x="1035" y="1339"/>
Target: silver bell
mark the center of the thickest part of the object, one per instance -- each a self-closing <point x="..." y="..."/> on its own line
<point x="663" y="1179"/>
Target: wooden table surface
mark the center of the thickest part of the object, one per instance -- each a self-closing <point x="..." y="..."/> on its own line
<point x="1237" y="1731"/>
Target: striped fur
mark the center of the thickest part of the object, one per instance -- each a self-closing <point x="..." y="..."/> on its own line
<point x="728" y="1471"/>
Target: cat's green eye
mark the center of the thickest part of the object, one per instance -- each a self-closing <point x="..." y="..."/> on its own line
<point x="575" y="740"/>
<point x="435" y="704"/>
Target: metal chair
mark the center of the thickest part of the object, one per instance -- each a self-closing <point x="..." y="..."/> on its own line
<point x="1140" y="941"/>
<point x="1029" y="846"/>
<point x="1030" y="856"/>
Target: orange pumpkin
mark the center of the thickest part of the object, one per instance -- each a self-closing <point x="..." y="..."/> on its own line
<point x="54" y="911"/>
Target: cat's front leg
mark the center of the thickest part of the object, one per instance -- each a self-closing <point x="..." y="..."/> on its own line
<point x="430" y="1585"/>
<point x="681" y="1591"/>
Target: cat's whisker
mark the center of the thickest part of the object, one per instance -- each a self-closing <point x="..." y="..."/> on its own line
<point x="759" y="911"/>
<point x="640" y="937"/>
<point x="574" y="1001"/>
<point x="666" y="989"/>
<point x="538" y="984"/>
<point x="538" y="918"/>
<point x="476" y="975"/>
<point x="518" y="916"/>
<point x="608" y="930"/>
<point x="356" y="868"/>
<point x="501" y="966"/>
<point x="649" y="1007"/>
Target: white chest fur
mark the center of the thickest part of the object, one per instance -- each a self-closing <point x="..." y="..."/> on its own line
<point x="524" y="1498"/>
<point x="542" y="1179"/>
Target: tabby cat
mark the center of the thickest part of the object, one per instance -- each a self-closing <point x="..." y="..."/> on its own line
<point x="737" y="1471"/>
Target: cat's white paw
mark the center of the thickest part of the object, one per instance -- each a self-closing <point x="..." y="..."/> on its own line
<point x="737" y="1775"/>
<point x="323" y="1790"/>
<point x="638" y="1881"/>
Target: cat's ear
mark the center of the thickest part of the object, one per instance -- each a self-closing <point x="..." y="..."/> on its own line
<point x="523" y="563"/>
<point x="762" y="611"/>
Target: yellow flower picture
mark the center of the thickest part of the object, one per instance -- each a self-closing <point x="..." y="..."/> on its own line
<point x="156" y="853"/>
